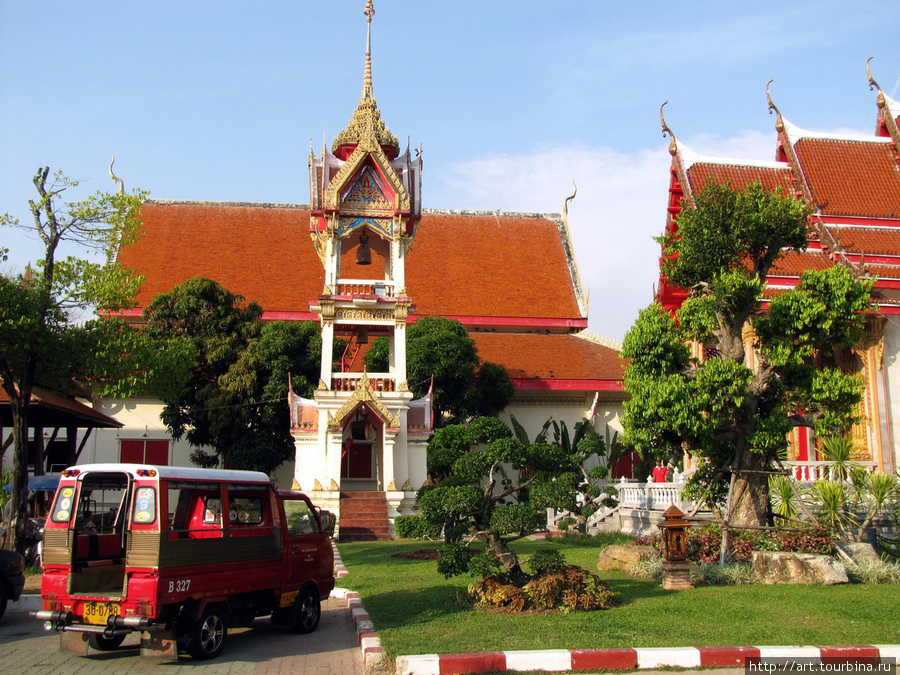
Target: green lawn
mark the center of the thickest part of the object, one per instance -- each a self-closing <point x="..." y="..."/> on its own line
<point x="416" y="611"/>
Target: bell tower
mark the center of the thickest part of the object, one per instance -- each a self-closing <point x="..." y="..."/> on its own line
<point x="365" y="207"/>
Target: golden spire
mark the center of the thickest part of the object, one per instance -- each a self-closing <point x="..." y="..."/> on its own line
<point x="366" y="123"/>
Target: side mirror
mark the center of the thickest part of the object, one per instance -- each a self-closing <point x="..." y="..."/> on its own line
<point x="327" y="521"/>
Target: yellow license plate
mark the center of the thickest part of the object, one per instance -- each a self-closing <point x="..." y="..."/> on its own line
<point x="99" y="612"/>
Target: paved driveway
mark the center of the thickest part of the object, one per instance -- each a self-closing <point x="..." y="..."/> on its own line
<point x="263" y="649"/>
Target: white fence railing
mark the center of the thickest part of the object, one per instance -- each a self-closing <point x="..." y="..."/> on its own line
<point x="647" y="496"/>
<point x="809" y="471"/>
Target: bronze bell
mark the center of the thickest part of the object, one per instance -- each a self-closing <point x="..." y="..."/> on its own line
<point x="363" y="252"/>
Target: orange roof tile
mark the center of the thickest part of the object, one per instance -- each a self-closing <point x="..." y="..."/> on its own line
<point x="741" y="176"/>
<point x="868" y="240"/>
<point x="554" y="356"/>
<point x="792" y="264"/>
<point x="261" y="252"/>
<point x="490" y="265"/>
<point x="851" y="178"/>
<point x="466" y="264"/>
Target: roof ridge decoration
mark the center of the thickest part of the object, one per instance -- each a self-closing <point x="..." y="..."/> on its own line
<point x="831" y="245"/>
<point x="677" y="157"/>
<point x="888" y="110"/>
<point x="366" y="122"/>
<point x="582" y="294"/>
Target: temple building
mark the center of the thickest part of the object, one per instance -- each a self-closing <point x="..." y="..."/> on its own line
<point x="364" y="259"/>
<point x="853" y="185"/>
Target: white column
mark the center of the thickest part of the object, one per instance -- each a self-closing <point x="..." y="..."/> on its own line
<point x="327" y="352"/>
<point x="400" y="351"/>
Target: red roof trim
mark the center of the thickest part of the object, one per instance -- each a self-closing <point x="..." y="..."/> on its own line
<point x="512" y="321"/>
<point x="537" y="383"/>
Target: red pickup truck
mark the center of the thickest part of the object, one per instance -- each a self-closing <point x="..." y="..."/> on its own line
<point x="181" y="555"/>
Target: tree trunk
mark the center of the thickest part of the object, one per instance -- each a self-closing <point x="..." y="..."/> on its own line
<point x="18" y="513"/>
<point x="750" y="500"/>
<point x="507" y="558"/>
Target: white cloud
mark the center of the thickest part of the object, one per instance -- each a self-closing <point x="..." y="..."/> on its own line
<point x="620" y="207"/>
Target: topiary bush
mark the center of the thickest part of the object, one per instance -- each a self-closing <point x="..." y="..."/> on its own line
<point x="416" y="527"/>
<point x="546" y="560"/>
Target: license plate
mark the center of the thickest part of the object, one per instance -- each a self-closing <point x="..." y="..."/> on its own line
<point x="98" y="612"/>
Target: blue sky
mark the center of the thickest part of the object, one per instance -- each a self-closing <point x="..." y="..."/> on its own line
<point x="510" y="100"/>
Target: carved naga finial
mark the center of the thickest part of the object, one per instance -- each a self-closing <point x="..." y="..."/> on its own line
<point x="568" y="199"/>
<point x="118" y="180"/>
<point x="779" y="123"/>
<point x="673" y="145"/>
<point x="881" y="101"/>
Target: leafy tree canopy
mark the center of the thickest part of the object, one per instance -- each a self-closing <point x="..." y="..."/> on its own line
<point x="441" y="348"/>
<point x="44" y="336"/>
<point x="736" y="417"/>
<point x="234" y="400"/>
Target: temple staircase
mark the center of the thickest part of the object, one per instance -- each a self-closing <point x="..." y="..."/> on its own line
<point x="363" y="517"/>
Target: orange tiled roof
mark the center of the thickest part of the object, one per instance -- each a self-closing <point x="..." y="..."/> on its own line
<point x="490" y="265"/>
<point x="851" y="178"/>
<point x="554" y="356"/>
<point x="741" y="176"/>
<point x="466" y="264"/>
<point x="261" y="252"/>
<point x="793" y="264"/>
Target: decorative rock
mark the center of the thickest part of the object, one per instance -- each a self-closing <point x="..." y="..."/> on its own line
<point x="780" y="567"/>
<point x="623" y="557"/>
<point x="857" y="553"/>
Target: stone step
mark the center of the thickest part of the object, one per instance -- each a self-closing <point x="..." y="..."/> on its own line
<point x="364" y="517"/>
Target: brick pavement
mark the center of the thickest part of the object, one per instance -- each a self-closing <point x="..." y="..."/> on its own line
<point x="263" y="649"/>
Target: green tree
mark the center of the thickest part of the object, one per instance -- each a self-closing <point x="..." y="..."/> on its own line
<point x="736" y="418"/>
<point x="441" y="350"/>
<point x="43" y="337"/>
<point x="493" y="485"/>
<point x="234" y="401"/>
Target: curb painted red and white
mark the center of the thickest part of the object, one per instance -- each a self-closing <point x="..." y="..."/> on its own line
<point x="369" y="642"/>
<point x="633" y="659"/>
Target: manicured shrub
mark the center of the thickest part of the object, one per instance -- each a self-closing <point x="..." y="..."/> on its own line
<point x="454" y="559"/>
<point x="547" y="560"/>
<point x="416" y="527"/>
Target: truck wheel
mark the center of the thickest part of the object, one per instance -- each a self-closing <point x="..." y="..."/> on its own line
<point x="309" y="610"/>
<point x="105" y="644"/>
<point x="4" y="597"/>
<point x="208" y="635"/>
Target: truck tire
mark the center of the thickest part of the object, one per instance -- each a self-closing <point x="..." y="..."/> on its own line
<point x="105" y="644"/>
<point x="4" y="598"/>
<point x="208" y="635"/>
<point x="309" y="610"/>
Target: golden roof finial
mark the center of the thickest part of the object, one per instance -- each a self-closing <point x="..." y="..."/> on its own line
<point x="881" y="101"/>
<point x="366" y="122"/>
<point x="779" y="123"/>
<point x="117" y="180"/>
<point x="673" y="145"/>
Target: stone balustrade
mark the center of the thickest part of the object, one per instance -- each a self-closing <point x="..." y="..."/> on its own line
<point x="350" y="381"/>
<point x="810" y="471"/>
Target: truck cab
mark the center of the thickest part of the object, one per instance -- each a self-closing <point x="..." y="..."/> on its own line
<point x="181" y="555"/>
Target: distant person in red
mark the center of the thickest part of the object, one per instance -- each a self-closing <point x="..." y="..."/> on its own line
<point x="660" y="472"/>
